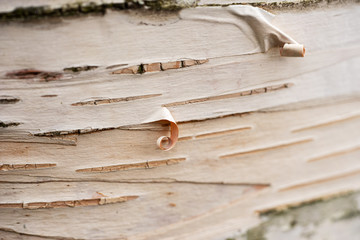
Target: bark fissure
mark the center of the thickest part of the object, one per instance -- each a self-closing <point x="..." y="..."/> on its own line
<point x="69" y="203"/>
<point x="135" y="181"/>
<point x="11" y="167"/>
<point x="99" y="101"/>
<point x="8" y="230"/>
<point x="133" y="166"/>
<point x="232" y="95"/>
<point x="268" y="148"/>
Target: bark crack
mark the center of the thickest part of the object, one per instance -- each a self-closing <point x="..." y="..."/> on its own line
<point x="8" y="230"/>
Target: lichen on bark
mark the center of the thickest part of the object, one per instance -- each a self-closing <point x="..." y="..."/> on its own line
<point x="318" y="219"/>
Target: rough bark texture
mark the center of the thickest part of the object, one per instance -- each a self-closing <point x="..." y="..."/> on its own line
<point x="261" y="136"/>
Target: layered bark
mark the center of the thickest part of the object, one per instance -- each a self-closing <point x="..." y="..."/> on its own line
<point x="257" y="132"/>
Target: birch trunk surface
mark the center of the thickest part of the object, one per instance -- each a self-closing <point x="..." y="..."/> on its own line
<point x="257" y="132"/>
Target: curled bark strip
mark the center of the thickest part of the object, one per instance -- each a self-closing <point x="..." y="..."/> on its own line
<point x="292" y="50"/>
<point x="165" y="143"/>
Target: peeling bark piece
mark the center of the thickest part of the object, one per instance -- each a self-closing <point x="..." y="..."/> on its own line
<point x="188" y="63"/>
<point x="257" y="20"/>
<point x="292" y="50"/>
<point x="165" y="143"/>
<point x="152" y="67"/>
<point x="171" y="65"/>
<point x="129" y="70"/>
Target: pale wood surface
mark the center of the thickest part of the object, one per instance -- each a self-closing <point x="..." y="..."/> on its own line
<point x="257" y="131"/>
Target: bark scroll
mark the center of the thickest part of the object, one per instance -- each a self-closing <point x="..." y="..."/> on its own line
<point x="164" y="142"/>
